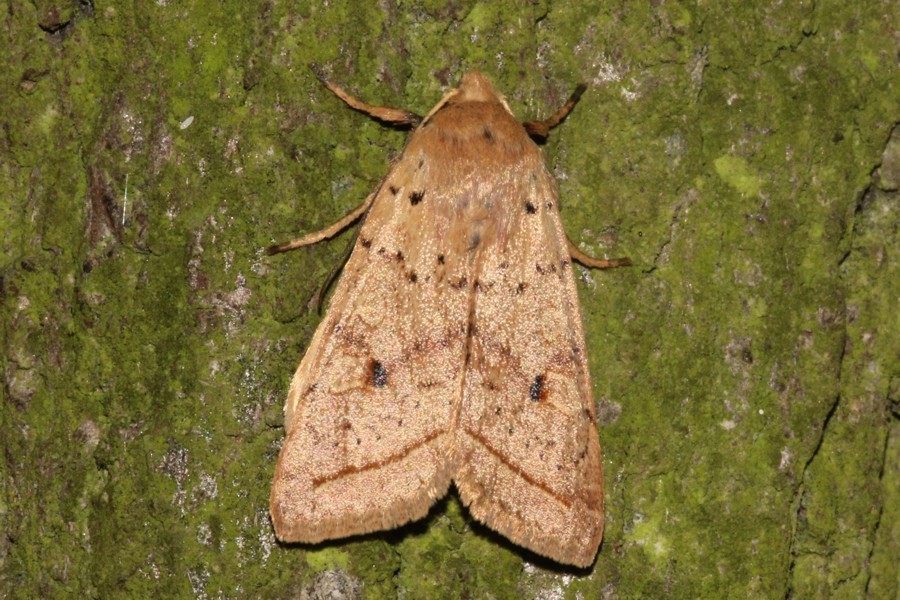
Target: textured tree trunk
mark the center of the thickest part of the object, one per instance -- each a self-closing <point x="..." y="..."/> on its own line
<point x="744" y="155"/>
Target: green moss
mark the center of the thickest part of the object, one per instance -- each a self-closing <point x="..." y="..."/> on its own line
<point x="737" y="173"/>
<point x="327" y="559"/>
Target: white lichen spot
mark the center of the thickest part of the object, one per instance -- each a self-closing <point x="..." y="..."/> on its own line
<point x="204" y="535"/>
<point x="628" y="94"/>
<point x="231" y="150"/>
<point x="198" y="577"/>
<point x="786" y="457"/>
<point x="728" y="425"/>
<point x="186" y="123"/>
<point x="175" y="465"/>
<point x="89" y="433"/>
<point x="206" y="489"/>
<point x="586" y="276"/>
<point x="266" y="536"/>
<point x="228" y="262"/>
<point x="543" y="50"/>
<point x="607" y="71"/>
<point x="675" y="146"/>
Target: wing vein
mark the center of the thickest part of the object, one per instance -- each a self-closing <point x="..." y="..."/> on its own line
<point x="518" y="471"/>
<point x="396" y="457"/>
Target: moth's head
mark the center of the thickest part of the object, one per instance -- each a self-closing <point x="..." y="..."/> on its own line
<point x="475" y="87"/>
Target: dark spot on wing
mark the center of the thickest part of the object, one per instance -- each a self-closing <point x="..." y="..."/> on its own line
<point x="440" y="259"/>
<point x="393" y="189"/>
<point x="549" y="206"/>
<point x="521" y="287"/>
<point x="365" y="243"/>
<point x="530" y="208"/>
<point x="536" y="391"/>
<point x="416" y="197"/>
<point x="461" y="283"/>
<point x="474" y="241"/>
<point x="378" y="373"/>
<point x="413" y="277"/>
<point x="488" y="134"/>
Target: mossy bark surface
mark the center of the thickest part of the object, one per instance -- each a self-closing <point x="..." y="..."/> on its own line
<point x="744" y="154"/>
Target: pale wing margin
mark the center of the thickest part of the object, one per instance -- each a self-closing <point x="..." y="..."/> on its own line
<point x="529" y="455"/>
<point x="369" y="444"/>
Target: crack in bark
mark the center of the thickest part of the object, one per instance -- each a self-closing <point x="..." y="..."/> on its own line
<point x="877" y="526"/>
<point x="859" y="208"/>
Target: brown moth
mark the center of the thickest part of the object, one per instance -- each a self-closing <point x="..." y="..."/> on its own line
<point x="452" y="348"/>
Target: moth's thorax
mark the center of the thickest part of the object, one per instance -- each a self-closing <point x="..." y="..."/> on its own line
<point x="478" y="167"/>
<point x="482" y="132"/>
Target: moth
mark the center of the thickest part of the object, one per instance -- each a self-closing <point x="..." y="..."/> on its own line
<point x="452" y="349"/>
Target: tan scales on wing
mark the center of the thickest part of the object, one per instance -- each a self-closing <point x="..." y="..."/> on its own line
<point x="451" y="350"/>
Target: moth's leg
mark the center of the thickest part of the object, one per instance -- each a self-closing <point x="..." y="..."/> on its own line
<point x="324" y="234"/>
<point x="595" y="263"/>
<point x="386" y="114"/>
<point x="541" y="129"/>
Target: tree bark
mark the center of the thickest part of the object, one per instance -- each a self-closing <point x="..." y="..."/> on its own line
<point x="745" y="155"/>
